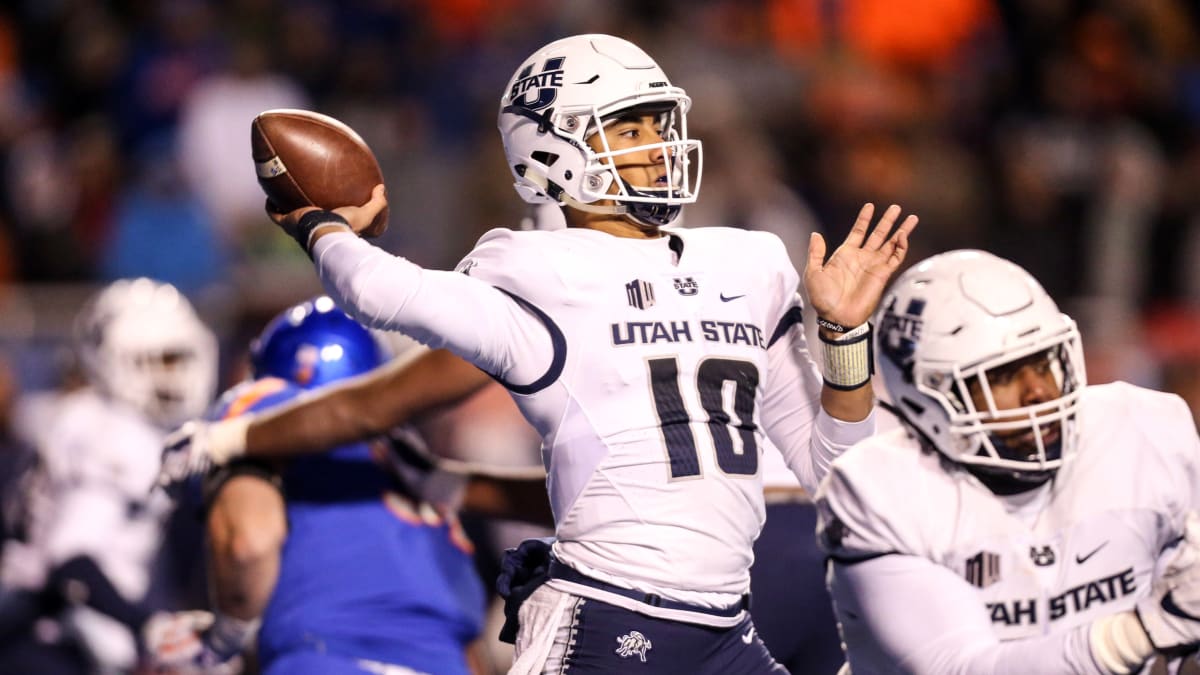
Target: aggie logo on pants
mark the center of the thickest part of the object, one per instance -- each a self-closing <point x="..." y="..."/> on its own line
<point x="633" y="643"/>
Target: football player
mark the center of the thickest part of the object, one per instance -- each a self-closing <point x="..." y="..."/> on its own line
<point x="657" y="363"/>
<point x="346" y="569"/>
<point x="1020" y="521"/>
<point x="90" y="527"/>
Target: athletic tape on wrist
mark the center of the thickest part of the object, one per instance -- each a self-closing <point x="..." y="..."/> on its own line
<point x="849" y="359"/>
<point x="309" y="223"/>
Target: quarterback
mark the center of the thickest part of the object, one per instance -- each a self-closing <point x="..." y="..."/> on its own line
<point x="1020" y="521"/>
<point x="657" y="363"/>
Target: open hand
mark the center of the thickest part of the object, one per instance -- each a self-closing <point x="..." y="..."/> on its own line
<point x="846" y="288"/>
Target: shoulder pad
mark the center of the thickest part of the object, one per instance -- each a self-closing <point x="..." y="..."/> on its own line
<point x="252" y="396"/>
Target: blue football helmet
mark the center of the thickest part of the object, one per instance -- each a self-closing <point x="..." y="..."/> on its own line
<point x="312" y="344"/>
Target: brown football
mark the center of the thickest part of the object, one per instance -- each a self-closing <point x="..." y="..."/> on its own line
<point x="304" y="158"/>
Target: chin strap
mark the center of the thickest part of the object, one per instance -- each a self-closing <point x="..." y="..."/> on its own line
<point x="609" y="209"/>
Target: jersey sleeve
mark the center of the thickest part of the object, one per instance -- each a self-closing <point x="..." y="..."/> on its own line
<point x="468" y="312"/>
<point x="864" y="511"/>
<point x="253" y="396"/>
<point x="793" y="418"/>
<point x="1167" y="422"/>
<point x="904" y="613"/>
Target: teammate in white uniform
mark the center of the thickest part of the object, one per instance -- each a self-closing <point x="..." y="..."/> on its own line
<point x="92" y="526"/>
<point x="657" y="364"/>
<point x="1016" y="522"/>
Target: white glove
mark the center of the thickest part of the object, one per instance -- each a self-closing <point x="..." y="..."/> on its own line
<point x="1171" y="613"/>
<point x="176" y="643"/>
<point x="191" y="449"/>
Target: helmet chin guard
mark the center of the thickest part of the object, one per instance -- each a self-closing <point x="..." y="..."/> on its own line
<point x="563" y="94"/>
<point x="949" y="321"/>
<point x="655" y="214"/>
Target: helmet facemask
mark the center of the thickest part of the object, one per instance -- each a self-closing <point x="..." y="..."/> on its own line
<point x="141" y="342"/>
<point x="951" y="331"/>
<point x="1026" y="443"/>
<point x="169" y="386"/>
<point x="658" y="204"/>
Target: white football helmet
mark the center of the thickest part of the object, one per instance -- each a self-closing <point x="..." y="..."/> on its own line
<point x="139" y="341"/>
<point x="949" y="320"/>
<point x="562" y="95"/>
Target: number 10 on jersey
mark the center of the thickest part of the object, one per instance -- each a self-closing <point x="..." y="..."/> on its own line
<point x="673" y="417"/>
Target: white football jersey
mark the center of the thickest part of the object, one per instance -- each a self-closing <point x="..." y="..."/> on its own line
<point x="91" y="495"/>
<point x="988" y="584"/>
<point x="657" y="372"/>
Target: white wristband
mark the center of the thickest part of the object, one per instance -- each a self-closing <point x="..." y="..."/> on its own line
<point x="1119" y="643"/>
<point x="226" y="439"/>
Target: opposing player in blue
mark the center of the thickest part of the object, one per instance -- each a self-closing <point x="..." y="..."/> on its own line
<point x="348" y="573"/>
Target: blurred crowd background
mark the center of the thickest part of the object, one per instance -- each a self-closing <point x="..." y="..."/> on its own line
<point x="1062" y="134"/>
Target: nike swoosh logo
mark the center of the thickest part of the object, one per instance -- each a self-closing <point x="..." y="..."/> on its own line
<point x="1080" y="559"/>
<point x="725" y="298"/>
<point x="1168" y="605"/>
<point x="748" y="637"/>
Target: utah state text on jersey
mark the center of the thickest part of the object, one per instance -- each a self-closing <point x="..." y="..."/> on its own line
<point x="1078" y="599"/>
<point x="652" y="332"/>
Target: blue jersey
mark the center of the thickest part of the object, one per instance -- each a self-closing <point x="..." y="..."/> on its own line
<point x="365" y="573"/>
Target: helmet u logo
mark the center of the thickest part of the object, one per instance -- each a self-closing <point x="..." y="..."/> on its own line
<point x="536" y="91"/>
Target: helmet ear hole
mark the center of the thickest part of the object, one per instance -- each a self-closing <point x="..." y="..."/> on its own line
<point x="546" y="158"/>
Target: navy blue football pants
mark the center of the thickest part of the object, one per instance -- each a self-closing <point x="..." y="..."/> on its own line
<point x="610" y="639"/>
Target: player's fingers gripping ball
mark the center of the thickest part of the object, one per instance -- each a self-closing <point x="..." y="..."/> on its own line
<point x="303" y="158"/>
